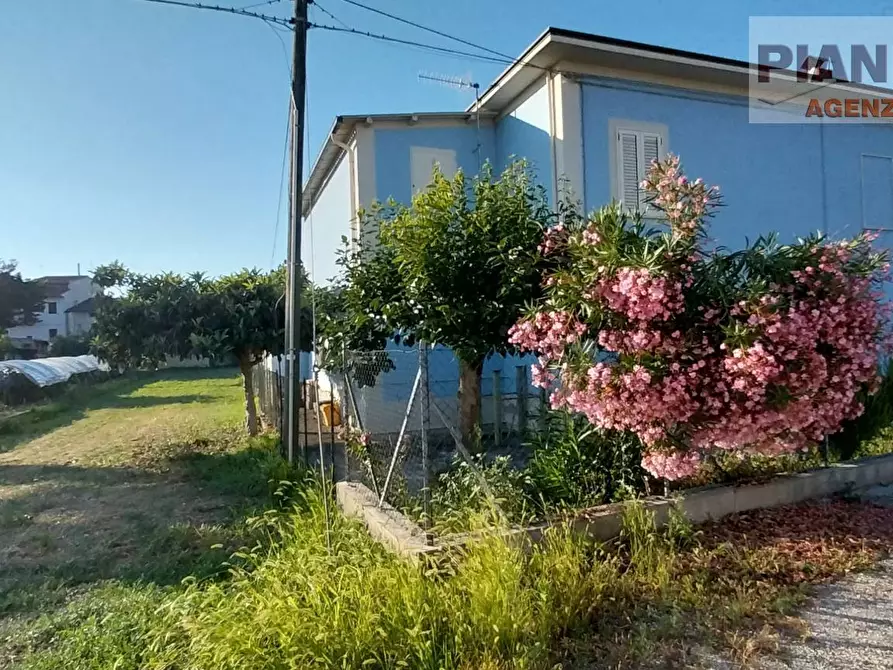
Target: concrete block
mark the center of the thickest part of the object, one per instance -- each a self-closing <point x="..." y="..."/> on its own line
<point x="385" y="524"/>
<point x="604" y="523"/>
<point x="710" y="503"/>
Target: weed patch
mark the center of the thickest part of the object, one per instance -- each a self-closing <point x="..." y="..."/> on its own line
<point x="317" y="596"/>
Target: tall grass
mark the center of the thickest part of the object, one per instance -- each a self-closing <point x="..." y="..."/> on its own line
<point x="305" y="605"/>
<point x="326" y="596"/>
<point x="309" y="602"/>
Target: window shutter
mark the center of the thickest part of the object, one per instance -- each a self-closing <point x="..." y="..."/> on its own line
<point x="628" y="156"/>
<point x="650" y="153"/>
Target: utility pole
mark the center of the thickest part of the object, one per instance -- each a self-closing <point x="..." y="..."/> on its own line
<point x="294" y="284"/>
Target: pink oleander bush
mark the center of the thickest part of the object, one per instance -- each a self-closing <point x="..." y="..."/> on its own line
<point x="644" y="329"/>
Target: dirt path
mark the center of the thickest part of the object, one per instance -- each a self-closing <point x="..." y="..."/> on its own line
<point x="136" y="480"/>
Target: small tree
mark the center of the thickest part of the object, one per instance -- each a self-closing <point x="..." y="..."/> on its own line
<point x="454" y="268"/>
<point x="242" y="315"/>
<point x="20" y="300"/>
<point x="140" y="320"/>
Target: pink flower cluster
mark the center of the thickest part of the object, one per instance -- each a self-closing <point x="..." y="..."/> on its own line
<point x="672" y="464"/>
<point x="591" y="236"/>
<point x="685" y="203"/>
<point x="554" y="240"/>
<point x="640" y="295"/>
<point x="770" y="374"/>
<point x="547" y="333"/>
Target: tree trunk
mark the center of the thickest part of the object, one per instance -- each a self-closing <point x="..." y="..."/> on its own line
<point x="470" y="403"/>
<point x="250" y="405"/>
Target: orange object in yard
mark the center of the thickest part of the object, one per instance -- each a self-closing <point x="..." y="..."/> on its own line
<point x="331" y="413"/>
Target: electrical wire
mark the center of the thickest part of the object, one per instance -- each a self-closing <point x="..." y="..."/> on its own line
<point x="260" y="4"/>
<point x="329" y="14"/>
<point x="443" y="50"/>
<point x="288" y="23"/>
<point x="326" y="495"/>
<point x="284" y="48"/>
<point x="430" y="30"/>
<point x="281" y="183"/>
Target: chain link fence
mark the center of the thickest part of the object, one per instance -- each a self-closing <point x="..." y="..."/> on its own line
<point x="390" y="419"/>
<point x="403" y="415"/>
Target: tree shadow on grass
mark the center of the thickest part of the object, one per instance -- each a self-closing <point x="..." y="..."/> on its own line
<point x="63" y="527"/>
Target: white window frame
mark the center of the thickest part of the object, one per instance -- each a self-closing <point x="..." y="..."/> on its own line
<point x="639" y="128"/>
<point x="862" y="158"/>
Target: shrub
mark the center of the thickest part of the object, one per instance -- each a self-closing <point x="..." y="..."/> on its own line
<point x="869" y="434"/>
<point x="466" y="492"/>
<point x="70" y="345"/>
<point x="645" y="330"/>
<point x="577" y="465"/>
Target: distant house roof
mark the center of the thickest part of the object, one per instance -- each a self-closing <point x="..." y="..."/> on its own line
<point x="87" y="306"/>
<point x="57" y="285"/>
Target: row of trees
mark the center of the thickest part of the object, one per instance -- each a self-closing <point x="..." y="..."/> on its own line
<point x="637" y="324"/>
<point x="141" y="320"/>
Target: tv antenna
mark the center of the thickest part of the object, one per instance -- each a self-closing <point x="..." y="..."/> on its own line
<point x="461" y="84"/>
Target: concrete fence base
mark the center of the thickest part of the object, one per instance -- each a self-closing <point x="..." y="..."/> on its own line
<point x="406" y="538"/>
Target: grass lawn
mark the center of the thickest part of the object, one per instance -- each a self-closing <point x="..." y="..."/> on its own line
<point x="138" y="479"/>
<point x="109" y="501"/>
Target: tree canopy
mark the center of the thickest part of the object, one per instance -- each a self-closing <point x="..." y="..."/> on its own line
<point x="142" y="319"/>
<point x="456" y="267"/>
<point x="20" y="300"/>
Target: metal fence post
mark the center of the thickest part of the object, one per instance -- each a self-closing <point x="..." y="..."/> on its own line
<point x="426" y="425"/>
<point x="521" y="389"/>
<point x="497" y="407"/>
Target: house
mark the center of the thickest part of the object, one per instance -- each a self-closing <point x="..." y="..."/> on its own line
<point x="590" y="113"/>
<point x="68" y="309"/>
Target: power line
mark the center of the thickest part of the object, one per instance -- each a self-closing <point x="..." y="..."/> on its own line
<point x="260" y="4"/>
<point x="276" y="32"/>
<point x="288" y="23"/>
<point x="430" y="30"/>
<point x="329" y="14"/>
<point x="421" y="45"/>
<point x="281" y="181"/>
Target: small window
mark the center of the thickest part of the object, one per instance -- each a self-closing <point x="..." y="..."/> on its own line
<point x="53" y="332"/>
<point x="51" y="308"/>
<point x="636" y="146"/>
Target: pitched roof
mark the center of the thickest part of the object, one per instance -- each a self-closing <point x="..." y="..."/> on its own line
<point x="551" y="52"/>
<point x="57" y="285"/>
<point x="87" y="306"/>
<point x="342" y="129"/>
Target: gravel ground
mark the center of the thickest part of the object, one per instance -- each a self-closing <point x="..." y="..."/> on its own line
<point x="850" y="623"/>
<point x="850" y="627"/>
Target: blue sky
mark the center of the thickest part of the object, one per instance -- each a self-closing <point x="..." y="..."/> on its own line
<point x="154" y="135"/>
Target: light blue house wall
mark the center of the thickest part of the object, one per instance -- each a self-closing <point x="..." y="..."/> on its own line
<point x="791" y="178"/>
<point x="769" y="175"/>
<point x="858" y="177"/>
<point x="526" y="133"/>
<point x="329" y="220"/>
<point x="393" y="153"/>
